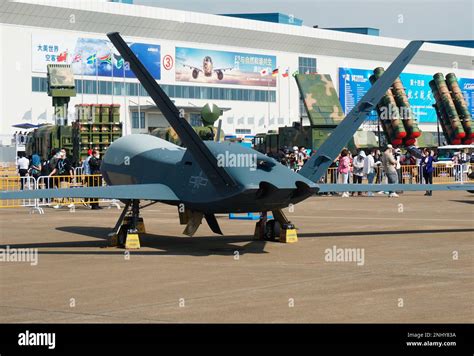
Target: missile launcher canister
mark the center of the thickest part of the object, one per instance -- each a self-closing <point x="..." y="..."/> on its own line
<point x="447" y="103"/>
<point x="389" y="115"/>
<point x="406" y="113"/>
<point x="442" y="117"/>
<point x="461" y="107"/>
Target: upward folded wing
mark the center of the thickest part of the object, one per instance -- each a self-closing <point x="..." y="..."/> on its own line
<point x="207" y="162"/>
<point x="324" y="188"/>
<point x="134" y="191"/>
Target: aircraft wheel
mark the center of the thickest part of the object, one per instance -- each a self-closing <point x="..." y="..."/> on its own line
<point x="122" y="235"/>
<point x="272" y="230"/>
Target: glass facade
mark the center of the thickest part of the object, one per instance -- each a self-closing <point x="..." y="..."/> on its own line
<point x="138" y="124"/>
<point x="39" y="84"/>
<point x="306" y="65"/>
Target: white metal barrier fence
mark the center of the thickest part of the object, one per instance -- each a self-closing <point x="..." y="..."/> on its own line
<point x="54" y="182"/>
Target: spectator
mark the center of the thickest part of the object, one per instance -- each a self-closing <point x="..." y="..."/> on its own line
<point x="35" y="166"/>
<point x="63" y="171"/>
<point x="397" y="154"/>
<point x="427" y="168"/>
<point x="457" y="166"/>
<point x="294" y="157"/>
<point x="94" y="164"/>
<point x="409" y="161"/>
<point x="390" y="167"/>
<point x="86" y="169"/>
<point x="369" y="169"/>
<point x="23" y="164"/>
<point x="378" y="163"/>
<point x="303" y="155"/>
<point x="358" y="169"/>
<point x="343" y="169"/>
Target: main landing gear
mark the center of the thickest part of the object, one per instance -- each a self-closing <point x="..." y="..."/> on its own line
<point x="278" y="229"/>
<point x="128" y="226"/>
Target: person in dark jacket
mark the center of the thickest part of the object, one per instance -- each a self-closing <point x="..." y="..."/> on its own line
<point x="94" y="164"/>
<point x="427" y="168"/>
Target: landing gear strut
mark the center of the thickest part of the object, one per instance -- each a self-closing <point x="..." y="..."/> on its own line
<point x="128" y="226"/>
<point x="279" y="228"/>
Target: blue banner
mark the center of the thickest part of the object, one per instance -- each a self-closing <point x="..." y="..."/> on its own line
<point x="91" y="56"/>
<point x="354" y="83"/>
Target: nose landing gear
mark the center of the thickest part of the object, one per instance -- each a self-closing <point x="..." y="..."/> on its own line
<point x="127" y="228"/>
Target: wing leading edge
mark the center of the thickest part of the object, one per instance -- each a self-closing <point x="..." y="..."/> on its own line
<point x="158" y="192"/>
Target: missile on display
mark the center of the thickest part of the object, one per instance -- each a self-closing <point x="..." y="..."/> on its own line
<point x="389" y="114"/>
<point x="447" y="108"/>
<point x="406" y="113"/>
<point x="442" y="117"/>
<point x="461" y="107"/>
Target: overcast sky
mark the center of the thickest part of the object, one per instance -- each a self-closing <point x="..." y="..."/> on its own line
<point x="409" y="19"/>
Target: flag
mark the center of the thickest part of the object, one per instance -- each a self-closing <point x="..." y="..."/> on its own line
<point x="275" y="72"/>
<point x="118" y="61"/>
<point x="295" y="72"/>
<point x="77" y="58"/>
<point x="91" y="59"/>
<point x="286" y="73"/>
<point x="264" y="72"/>
<point x="62" y="57"/>
<point x="107" y="58"/>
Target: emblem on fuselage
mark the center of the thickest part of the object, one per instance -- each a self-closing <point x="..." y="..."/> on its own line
<point x="198" y="181"/>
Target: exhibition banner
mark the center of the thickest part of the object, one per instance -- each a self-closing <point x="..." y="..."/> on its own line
<point x="91" y="56"/>
<point x="354" y="83"/>
<point x="210" y="66"/>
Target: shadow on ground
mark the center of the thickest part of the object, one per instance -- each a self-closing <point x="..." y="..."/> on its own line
<point x="193" y="246"/>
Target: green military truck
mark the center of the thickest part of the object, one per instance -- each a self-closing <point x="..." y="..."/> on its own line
<point x="96" y="127"/>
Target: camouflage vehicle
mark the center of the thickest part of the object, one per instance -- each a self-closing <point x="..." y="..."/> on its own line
<point x="96" y="131"/>
<point x="320" y="99"/>
<point x="44" y="139"/>
<point x="209" y="114"/>
<point x="324" y="112"/>
<point x="430" y="140"/>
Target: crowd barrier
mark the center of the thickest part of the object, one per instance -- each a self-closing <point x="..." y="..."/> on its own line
<point x="409" y="174"/>
<point x="54" y="182"/>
